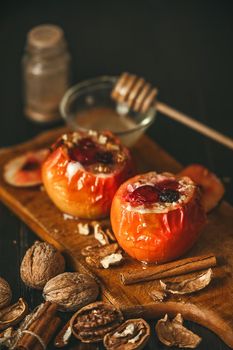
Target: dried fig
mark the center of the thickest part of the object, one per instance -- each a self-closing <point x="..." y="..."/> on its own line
<point x="12" y="314"/>
<point x="189" y="285"/>
<point x="5" y="293"/>
<point x="173" y="333"/>
<point x="94" y="321"/>
<point x="41" y="263"/>
<point x="130" y="335"/>
<point x="71" y="290"/>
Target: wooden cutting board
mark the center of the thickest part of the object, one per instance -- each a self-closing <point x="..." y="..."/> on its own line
<point x="211" y="307"/>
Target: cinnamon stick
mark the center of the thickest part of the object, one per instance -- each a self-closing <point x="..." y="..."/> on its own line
<point x="44" y="326"/>
<point x="174" y="268"/>
<point x="49" y="332"/>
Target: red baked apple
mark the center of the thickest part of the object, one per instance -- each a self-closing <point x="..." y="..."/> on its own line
<point x="212" y="188"/>
<point x="83" y="172"/>
<point x="157" y="217"/>
<point x="25" y="170"/>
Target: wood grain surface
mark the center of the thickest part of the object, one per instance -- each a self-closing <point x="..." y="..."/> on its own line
<point x="211" y="307"/>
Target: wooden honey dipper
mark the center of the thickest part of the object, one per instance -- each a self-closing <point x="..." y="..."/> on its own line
<point x="138" y="95"/>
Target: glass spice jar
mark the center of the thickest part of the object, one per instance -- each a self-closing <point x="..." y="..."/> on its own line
<point x="46" y="72"/>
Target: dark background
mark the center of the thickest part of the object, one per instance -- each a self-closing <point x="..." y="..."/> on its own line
<point x="183" y="47"/>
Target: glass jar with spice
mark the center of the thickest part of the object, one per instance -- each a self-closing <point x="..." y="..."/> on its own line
<point x="46" y="72"/>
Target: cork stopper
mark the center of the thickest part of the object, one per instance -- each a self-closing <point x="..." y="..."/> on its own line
<point x="45" y="36"/>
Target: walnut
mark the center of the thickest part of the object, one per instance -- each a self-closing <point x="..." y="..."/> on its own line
<point x="94" y="321"/>
<point x="130" y="335"/>
<point x="41" y="263"/>
<point x="71" y="290"/>
<point x="173" y="333"/>
<point x="5" y="293"/>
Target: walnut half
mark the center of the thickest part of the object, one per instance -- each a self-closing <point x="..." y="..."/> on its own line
<point x="131" y="335"/>
<point x="94" y="321"/>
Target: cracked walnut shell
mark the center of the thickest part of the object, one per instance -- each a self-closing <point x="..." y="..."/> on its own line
<point x="5" y="293"/>
<point x="94" y="321"/>
<point x="71" y="290"/>
<point x="41" y="263"/>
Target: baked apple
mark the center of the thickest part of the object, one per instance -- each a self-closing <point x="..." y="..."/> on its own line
<point x="212" y="189"/>
<point x="83" y="172"/>
<point x="157" y="217"/>
<point x="25" y="170"/>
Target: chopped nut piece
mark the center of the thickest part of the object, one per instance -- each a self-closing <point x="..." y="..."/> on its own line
<point x="71" y="290"/>
<point x="68" y="217"/>
<point x="189" y="285"/>
<point x="100" y="250"/>
<point x="110" y="235"/>
<point x="94" y="321"/>
<point x="131" y="335"/>
<point x="13" y="314"/>
<point x="99" y="233"/>
<point x="102" y="139"/>
<point x="103" y="256"/>
<point x="83" y="229"/>
<point x="111" y="260"/>
<point x="173" y="333"/>
<point x="5" y="293"/>
<point x="157" y="295"/>
<point x="112" y="147"/>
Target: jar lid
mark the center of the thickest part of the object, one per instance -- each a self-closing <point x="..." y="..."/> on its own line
<point x="45" y="36"/>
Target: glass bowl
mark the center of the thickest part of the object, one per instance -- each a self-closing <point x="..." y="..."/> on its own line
<point x="88" y="105"/>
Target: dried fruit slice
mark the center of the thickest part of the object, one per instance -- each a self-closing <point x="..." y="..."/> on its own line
<point x="83" y="172"/>
<point x="13" y="314"/>
<point x="173" y="333"/>
<point x="25" y="170"/>
<point x="157" y="217"/>
<point x="131" y="335"/>
<point x="211" y="187"/>
<point x="94" y="321"/>
<point x="189" y="285"/>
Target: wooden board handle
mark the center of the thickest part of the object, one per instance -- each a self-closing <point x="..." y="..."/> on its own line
<point x="194" y="124"/>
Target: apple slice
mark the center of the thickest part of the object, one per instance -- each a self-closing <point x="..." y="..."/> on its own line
<point x="211" y="187"/>
<point x="25" y="170"/>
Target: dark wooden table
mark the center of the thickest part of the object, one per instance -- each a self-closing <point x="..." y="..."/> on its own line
<point x="183" y="47"/>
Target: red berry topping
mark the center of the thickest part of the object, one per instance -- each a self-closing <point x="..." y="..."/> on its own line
<point x="143" y="195"/>
<point x="164" y="191"/>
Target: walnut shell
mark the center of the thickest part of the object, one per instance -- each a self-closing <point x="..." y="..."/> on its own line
<point x="71" y="290"/>
<point x="41" y="263"/>
<point x="5" y="293"/>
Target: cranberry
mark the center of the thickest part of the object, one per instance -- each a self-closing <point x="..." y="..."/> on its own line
<point x="169" y="196"/>
<point x="165" y="191"/>
<point x="143" y="195"/>
<point x="31" y="164"/>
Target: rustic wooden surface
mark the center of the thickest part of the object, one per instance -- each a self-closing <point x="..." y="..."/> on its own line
<point x="211" y="307"/>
